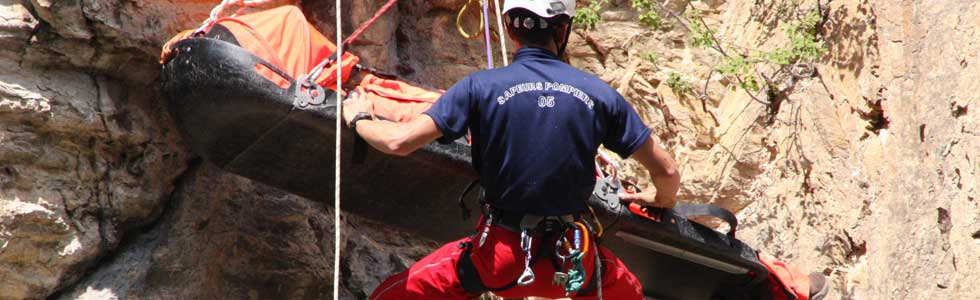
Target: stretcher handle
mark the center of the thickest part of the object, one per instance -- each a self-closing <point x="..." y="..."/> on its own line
<point x="689" y="210"/>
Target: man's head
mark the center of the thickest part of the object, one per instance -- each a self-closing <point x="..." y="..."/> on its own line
<point x="540" y="23"/>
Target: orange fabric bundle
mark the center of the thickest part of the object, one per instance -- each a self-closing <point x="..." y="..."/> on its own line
<point x="396" y="100"/>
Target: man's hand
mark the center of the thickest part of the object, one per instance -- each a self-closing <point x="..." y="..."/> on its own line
<point x="663" y="171"/>
<point x="356" y="103"/>
<point x="397" y="138"/>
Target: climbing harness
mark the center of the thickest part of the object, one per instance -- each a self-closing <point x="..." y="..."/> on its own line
<point x="572" y="242"/>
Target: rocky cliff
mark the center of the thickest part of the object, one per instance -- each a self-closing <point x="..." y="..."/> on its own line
<point x="858" y="162"/>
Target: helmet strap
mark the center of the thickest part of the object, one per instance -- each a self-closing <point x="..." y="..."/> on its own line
<point x="562" y="45"/>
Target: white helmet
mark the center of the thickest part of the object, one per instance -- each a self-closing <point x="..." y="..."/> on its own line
<point x="543" y="8"/>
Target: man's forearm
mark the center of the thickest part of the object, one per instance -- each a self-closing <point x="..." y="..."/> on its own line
<point x="387" y="137"/>
<point x="663" y="172"/>
<point x="398" y="138"/>
<point x="667" y="185"/>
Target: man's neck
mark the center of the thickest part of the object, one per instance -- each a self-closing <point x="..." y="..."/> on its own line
<point x="550" y="50"/>
<point x="550" y="47"/>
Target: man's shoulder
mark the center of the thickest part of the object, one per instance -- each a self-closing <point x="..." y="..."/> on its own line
<point x="593" y="84"/>
<point x="583" y="80"/>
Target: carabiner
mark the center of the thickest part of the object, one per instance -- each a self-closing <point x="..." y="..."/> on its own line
<point x="528" y="276"/>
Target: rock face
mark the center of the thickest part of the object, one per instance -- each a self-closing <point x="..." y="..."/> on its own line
<point x="225" y="237"/>
<point x="864" y="170"/>
<point x="84" y="159"/>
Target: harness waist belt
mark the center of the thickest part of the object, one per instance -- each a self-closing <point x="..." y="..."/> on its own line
<point x="514" y="222"/>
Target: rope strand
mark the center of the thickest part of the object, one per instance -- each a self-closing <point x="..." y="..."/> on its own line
<point x="336" y="188"/>
<point x="486" y="31"/>
<point x="501" y="36"/>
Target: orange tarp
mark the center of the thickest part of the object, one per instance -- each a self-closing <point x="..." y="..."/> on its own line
<point x="283" y="37"/>
<point x="395" y="100"/>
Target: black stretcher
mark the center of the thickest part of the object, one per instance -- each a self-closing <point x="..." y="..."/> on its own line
<point x="245" y="124"/>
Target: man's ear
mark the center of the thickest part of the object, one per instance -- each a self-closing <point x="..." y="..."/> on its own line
<point x="563" y="30"/>
<point x="512" y="39"/>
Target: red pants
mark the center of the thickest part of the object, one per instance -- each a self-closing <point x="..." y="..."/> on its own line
<point x="500" y="261"/>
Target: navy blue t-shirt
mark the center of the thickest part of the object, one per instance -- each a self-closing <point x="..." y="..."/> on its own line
<point x="536" y="126"/>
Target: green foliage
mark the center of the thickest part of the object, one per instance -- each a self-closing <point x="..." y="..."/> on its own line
<point x="588" y="16"/>
<point x="750" y="82"/>
<point x="652" y="57"/>
<point x="804" y="44"/>
<point x="742" y="67"/>
<point x="648" y="15"/>
<point x="678" y="84"/>
<point x="701" y="36"/>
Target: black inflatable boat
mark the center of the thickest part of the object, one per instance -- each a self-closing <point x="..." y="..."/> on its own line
<point x="247" y="125"/>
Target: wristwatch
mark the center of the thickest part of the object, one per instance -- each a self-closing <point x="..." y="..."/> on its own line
<point x="359" y="116"/>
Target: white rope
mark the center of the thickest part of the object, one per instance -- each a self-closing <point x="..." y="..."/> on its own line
<point x="336" y="188"/>
<point x="501" y="36"/>
<point x="486" y="32"/>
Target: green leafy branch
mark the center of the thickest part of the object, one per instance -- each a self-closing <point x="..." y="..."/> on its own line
<point x="741" y="65"/>
<point x="804" y="47"/>
<point x="588" y="16"/>
<point x="648" y="14"/>
<point x="678" y="84"/>
<point x="652" y="57"/>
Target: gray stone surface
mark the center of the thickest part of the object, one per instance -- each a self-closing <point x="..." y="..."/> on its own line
<point x="226" y="237"/>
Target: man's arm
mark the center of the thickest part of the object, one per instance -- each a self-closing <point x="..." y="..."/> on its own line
<point x="663" y="171"/>
<point x="391" y="137"/>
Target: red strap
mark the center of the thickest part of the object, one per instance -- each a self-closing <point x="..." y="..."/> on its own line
<point x="357" y="33"/>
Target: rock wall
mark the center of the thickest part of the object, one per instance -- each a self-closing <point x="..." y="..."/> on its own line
<point x="226" y="237"/>
<point x="865" y="170"/>
<point x="85" y="158"/>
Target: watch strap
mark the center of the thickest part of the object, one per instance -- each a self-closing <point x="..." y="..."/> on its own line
<point x="360" y="116"/>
